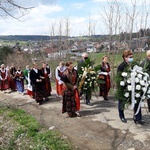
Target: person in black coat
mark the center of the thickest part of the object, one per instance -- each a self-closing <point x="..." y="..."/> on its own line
<point x="127" y="59"/>
<point x="37" y="83"/>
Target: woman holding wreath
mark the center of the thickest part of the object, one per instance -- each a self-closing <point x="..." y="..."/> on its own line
<point x="127" y="61"/>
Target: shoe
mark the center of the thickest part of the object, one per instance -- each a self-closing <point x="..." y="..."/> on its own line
<point x="78" y="115"/>
<point x="40" y="103"/>
<point x="105" y="98"/>
<point x="46" y="99"/>
<point x="88" y="103"/>
<point x="123" y="120"/>
<point x="139" y="122"/>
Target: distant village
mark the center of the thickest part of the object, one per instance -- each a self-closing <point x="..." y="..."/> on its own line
<point x="74" y="46"/>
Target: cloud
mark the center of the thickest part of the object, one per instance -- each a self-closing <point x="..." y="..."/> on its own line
<point x="40" y="19"/>
<point x="78" y="5"/>
<point x="127" y="2"/>
<point x="35" y="3"/>
<point x="36" y="22"/>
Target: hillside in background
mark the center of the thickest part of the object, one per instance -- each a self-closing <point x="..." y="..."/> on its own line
<point x="25" y="37"/>
<point x="38" y="37"/>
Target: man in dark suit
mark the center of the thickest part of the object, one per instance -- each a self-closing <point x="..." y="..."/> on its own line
<point x="80" y="64"/>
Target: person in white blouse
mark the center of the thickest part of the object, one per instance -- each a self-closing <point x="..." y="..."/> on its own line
<point x="4" y="83"/>
<point x="59" y="83"/>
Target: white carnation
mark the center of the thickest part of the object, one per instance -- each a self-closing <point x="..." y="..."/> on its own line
<point x="133" y="73"/>
<point x="146" y="74"/>
<point x="122" y="83"/>
<point x="138" y="87"/>
<point x="145" y="78"/>
<point x="139" y="76"/>
<point x="144" y="89"/>
<point x="124" y="74"/>
<point x="129" y="87"/>
<point x="137" y="95"/>
<point x="126" y="94"/>
<point x="137" y="80"/>
<point x="129" y="80"/>
<point x="148" y="91"/>
<point x="142" y="82"/>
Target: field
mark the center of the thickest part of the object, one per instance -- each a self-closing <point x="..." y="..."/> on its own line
<point x="115" y="59"/>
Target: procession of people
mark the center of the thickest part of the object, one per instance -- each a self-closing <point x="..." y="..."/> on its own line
<point x="69" y="83"/>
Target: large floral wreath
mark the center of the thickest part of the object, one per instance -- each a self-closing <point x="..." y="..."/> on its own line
<point x="133" y="86"/>
<point x="88" y="77"/>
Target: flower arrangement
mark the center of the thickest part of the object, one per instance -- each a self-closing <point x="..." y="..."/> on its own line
<point x="88" y="80"/>
<point x="134" y="86"/>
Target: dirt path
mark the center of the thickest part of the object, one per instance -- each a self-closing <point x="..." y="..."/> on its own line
<point x="99" y="128"/>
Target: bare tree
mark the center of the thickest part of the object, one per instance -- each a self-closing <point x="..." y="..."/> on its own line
<point x="8" y="7"/>
<point x="67" y="33"/>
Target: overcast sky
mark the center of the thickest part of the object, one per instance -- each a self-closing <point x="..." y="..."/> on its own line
<point x="48" y="13"/>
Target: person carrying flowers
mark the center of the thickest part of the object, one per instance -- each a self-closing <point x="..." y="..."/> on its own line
<point x="82" y="69"/>
<point x="128" y="85"/>
<point x="146" y="67"/>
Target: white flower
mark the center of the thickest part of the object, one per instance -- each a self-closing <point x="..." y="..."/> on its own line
<point x="144" y="89"/>
<point x="146" y="74"/>
<point x="122" y="83"/>
<point x="126" y="94"/>
<point x="137" y="95"/>
<point x="148" y="92"/>
<point x="138" y="87"/>
<point x="148" y="96"/>
<point x="142" y="82"/>
<point x="137" y="80"/>
<point x="85" y="82"/>
<point x="139" y="76"/>
<point x="133" y="73"/>
<point x="124" y="74"/>
<point x="136" y="67"/>
<point x="129" y="87"/>
<point x="145" y="78"/>
<point x="129" y="80"/>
